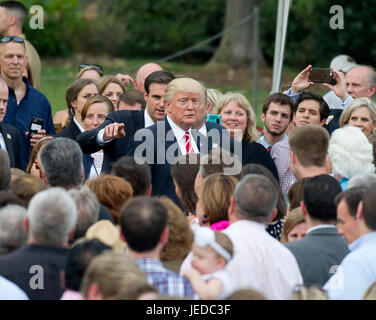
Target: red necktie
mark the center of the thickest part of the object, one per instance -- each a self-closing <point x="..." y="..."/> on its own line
<point x="188" y="146"/>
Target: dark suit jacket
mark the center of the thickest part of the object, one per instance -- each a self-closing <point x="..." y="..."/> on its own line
<point x="17" y="267"/>
<point x="332" y="123"/>
<point x="13" y="143"/>
<point x="317" y="252"/>
<point x="253" y="152"/>
<point x="70" y="132"/>
<point x="162" y="183"/>
<point x="113" y="150"/>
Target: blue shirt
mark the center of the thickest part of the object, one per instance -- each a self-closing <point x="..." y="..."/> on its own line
<point x="33" y="104"/>
<point x="356" y="272"/>
<point x="167" y="282"/>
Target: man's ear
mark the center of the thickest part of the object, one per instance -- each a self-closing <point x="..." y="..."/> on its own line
<point x="26" y="224"/>
<point x="164" y="236"/>
<point x="93" y="292"/>
<point x="323" y="121"/>
<point x="372" y="90"/>
<point x="231" y="210"/>
<point x="263" y="117"/>
<point x="360" y="211"/>
<point x="292" y="157"/>
<point x="304" y="209"/>
<point x="273" y="215"/>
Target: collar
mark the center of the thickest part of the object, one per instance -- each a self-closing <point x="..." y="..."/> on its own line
<point x="178" y="132"/>
<point x="321" y="226"/>
<point x="265" y="142"/>
<point x="203" y="130"/>
<point x="78" y="124"/>
<point x="370" y="236"/>
<point x="148" y="120"/>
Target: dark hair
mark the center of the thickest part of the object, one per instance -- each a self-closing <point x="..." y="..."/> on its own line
<point x="15" y="6"/>
<point x="254" y="168"/>
<point x="352" y="197"/>
<point x="369" y="203"/>
<point x="279" y="98"/>
<point x="142" y="220"/>
<point x="161" y="76"/>
<point x="319" y="195"/>
<point x="132" y="97"/>
<point x="138" y="175"/>
<point x="78" y="258"/>
<point x="184" y="173"/>
<point x="308" y="95"/>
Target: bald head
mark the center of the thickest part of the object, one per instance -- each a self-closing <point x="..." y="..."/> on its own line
<point x="361" y="82"/>
<point x="143" y="72"/>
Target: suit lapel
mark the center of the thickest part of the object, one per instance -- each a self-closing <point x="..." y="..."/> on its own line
<point x="8" y="143"/>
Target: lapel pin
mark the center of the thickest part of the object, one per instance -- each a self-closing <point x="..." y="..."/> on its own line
<point x="9" y="136"/>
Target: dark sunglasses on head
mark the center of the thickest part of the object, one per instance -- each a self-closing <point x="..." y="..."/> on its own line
<point x="95" y="66"/>
<point x="12" y="38"/>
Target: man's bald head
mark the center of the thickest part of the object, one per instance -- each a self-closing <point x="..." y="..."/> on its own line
<point x="143" y="72"/>
<point x="361" y="82"/>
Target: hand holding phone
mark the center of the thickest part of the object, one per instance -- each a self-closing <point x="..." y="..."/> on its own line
<point x="321" y="75"/>
<point x="35" y="125"/>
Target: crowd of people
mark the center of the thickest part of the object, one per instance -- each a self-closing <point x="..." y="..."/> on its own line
<point x="135" y="192"/>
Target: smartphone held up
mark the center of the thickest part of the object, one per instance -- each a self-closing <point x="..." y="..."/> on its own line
<point x="321" y="75"/>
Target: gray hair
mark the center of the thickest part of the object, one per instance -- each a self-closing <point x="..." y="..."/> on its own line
<point x="52" y="216"/>
<point x="4" y="170"/>
<point x="61" y="160"/>
<point x="255" y="198"/>
<point x="88" y="209"/>
<point x="12" y="231"/>
<point x="355" y="104"/>
<point x="362" y="180"/>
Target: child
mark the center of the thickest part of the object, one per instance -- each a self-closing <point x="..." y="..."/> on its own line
<point x="211" y="252"/>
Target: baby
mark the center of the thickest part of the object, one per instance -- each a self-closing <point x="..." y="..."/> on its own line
<point x="211" y="252"/>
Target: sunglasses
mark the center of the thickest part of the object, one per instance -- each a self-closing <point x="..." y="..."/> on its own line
<point x="7" y="39"/>
<point x="95" y="66"/>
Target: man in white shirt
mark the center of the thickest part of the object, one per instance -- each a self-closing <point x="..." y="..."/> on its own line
<point x="260" y="261"/>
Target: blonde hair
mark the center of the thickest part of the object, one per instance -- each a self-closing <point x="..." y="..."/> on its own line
<point x="114" y="272"/>
<point x="185" y="85"/>
<point x="370" y="293"/>
<point x="306" y="292"/>
<point x="356" y="104"/>
<point x="293" y="218"/>
<point x="82" y="71"/>
<point x="96" y="99"/>
<point x="250" y="133"/>
<point x="215" y="196"/>
<point x="105" y="81"/>
<point x="213" y="96"/>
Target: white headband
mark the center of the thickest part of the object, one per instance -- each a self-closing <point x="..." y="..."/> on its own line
<point x="204" y="236"/>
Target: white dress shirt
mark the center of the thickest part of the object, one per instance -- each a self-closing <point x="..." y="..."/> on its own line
<point x="261" y="262"/>
<point x="2" y="142"/>
<point x="180" y="137"/>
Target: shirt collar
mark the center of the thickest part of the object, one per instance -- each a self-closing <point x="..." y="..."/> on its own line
<point x="265" y="142"/>
<point x="78" y="124"/>
<point x="148" y="120"/>
<point x="203" y="130"/>
<point x="321" y="226"/>
<point x="361" y="240"/>
<point x="178" y="132"/>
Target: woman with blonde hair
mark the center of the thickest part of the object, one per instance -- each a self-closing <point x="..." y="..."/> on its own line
<point x="111" y="87"/>
<point x="239" y="118"/>
<point x="360" y="113"/>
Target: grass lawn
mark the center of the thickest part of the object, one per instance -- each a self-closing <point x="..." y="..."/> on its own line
<point x="58" y="75"/>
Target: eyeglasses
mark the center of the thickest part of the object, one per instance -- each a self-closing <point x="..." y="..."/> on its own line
<point x="95" y="66"/>
<point x="7" y="39"/>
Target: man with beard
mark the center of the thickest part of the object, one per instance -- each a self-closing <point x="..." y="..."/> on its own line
<point x="277" y="115"/>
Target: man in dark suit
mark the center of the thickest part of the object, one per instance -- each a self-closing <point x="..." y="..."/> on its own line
<point x="322" y="248"/>
<point x="162" y="143"/>
<point x="119" y="127"/>
<point x="9" y="136"/>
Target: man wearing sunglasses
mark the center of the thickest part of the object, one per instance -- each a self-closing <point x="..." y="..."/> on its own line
<point x="25" y="102"/>
<point x="12" y="16"/>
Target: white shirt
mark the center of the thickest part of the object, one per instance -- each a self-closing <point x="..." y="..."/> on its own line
<point x="2" y="142"/>
<point x="180" y="137"/>
<point x="96" y="167"/>
<point x="261" y="262"/>
<point x="148" y="122"/>
<point x="227" y="288"/>
<point x="82" y="129"/>
<point x="10" y="291"/>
